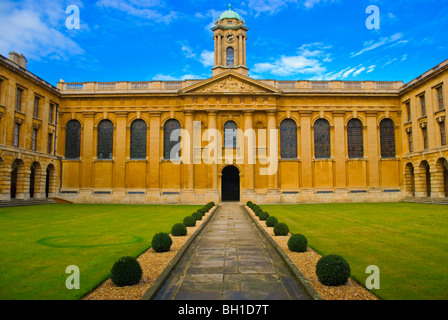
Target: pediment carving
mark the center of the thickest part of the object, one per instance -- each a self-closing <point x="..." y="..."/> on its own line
<point x="230" y="84"/>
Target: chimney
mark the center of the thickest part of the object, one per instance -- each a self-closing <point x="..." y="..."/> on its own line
<point x="18" y="58"/>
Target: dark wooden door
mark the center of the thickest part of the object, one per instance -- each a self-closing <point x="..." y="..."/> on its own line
<point x="230" y="184"/>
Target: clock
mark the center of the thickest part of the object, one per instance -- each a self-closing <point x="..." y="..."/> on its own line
<point x="230" y="37"/>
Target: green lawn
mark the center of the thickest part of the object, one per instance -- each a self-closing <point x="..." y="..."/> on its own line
<point x="408" y="242"/>
<point x="38" y="243"/>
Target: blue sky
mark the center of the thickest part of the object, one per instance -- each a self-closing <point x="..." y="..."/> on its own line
<point x="143" y="40"/>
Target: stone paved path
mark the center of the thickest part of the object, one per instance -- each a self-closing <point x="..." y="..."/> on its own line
<point x="231" y="260"/>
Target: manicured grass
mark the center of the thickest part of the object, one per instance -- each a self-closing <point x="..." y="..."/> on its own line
<point x="37" y="244"/>
<point x="408" y="242"/>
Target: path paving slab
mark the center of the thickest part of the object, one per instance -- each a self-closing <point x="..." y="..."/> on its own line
<point x="231" y="260"/>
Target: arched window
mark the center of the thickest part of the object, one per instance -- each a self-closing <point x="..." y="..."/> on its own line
<point x="230" y="134"/>
<point x="288" y="139"/>
<point x="322" y="145"/>
<point x="138" y="139"/>
<point x="105" y="140"/>
<point x="170" y="141"/>
<point x="72" y="140"/>
<point x="387" y="138"/>
<point x="354" y="139"/>
<point x="230" y="57"/>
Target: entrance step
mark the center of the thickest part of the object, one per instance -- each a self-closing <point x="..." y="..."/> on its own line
<point x="21" y="203"/>
<point x="426" y="200"/>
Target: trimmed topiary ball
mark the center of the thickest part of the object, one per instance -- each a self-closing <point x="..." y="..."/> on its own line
<point x="263" y="215"/>
<point x="161" y="242"/>
<point x="249" y="203"/>
<point x="189" y="221"/>
<point x="298" y="243"/>
<point x="179" y="230"/>
<point x="271" y="221"/>
<point x="281" y="229"/>
<point x="333" y="270"/>
<point x="202" y="211"/>
<point x="257" y="211"/>
<point x="126" y="271"/>
<point x="197" y="215"/>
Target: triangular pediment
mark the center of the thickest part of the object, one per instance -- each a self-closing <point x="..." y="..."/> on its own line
<point x="230" y="82"/>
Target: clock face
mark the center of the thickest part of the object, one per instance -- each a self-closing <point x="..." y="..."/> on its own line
<point x="230" y="37"/>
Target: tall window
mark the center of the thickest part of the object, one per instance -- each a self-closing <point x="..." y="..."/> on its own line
<point x="387" y="138"/>
<point x="288" y="139"/>
<point x="170" y="140"/>
<point x="105" y="140"/>
<point x="50" y="143"/>
<point x="230" y="134"/>
<point x="411" y="144"/>
<point x="442" y="133"/>
<point x="51" y="114"/>
<point x="36" y="107"/>
<point x="138" y="139"/>
<point x="355" y="139"/>
<point x="230" y="57"/>
<point x="34" y="140"/>
<point x="423" y="105"/>
<point x="408" y="111"/>
<point x="322" y="145"/>
<point x="16" y="134"/>
<point x="72" y="140"/>
<point x="19" y="99"/>
<point x="425" y="137"/>
<point x="440" y="97"/>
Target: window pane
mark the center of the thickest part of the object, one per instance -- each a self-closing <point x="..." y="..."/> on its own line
<point x="105" y="140"/>
<point x="34" y="140"/>
<point x="230" y="57"/>
<point x="19" y="99"/>
<point x="288" y="139"/>
<point x="355" y="139"/>
<point x="138" y="139"/>
<point x="423" y="104"/>
<point x="230" y="134"/>
<point x="72" y="140"/>
<point x="411" y="145"/>
<point x="443" y="132"/>
<point x="16" y="134"/>
<point x="36" y="107"/>
<point x="50" y="143"/>
<point x="387" y="138"/>
<point x="322" y="146"/>
<point x="440" y="96"/>
<point x="425" y="138"/>
<point x="168" y="145"/>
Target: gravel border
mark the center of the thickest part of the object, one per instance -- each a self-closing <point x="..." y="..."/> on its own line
<point x="306" y="265"/>
<point x="156" y="268"/>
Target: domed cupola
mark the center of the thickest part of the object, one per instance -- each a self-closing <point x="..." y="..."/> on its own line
<point x="230" y="43"/>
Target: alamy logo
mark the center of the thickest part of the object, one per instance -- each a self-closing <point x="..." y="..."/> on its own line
<point x="72" y="21"/>
<point x="240" y="147"/>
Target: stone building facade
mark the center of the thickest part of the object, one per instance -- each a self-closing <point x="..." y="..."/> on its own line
<point x="336" y="141"/>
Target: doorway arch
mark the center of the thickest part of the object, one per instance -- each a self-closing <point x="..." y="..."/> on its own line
<point x="426" y="177"/>
<point x="17" y="179"/>
<point x="50" y="182"/>
<point x="230" y="184"/>
<point x="410" y="179"/>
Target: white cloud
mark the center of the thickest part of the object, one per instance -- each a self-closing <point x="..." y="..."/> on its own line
<point x="140" y="9"/>
<point x="371" y="68"/>
<point x="207" y="58"/>
<point x="306" y="62"/>
<point x="37" y="29"/>
<point x="274" y="6"/>
<point x="165" y="77"/>
<point x="371" y="45"/>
